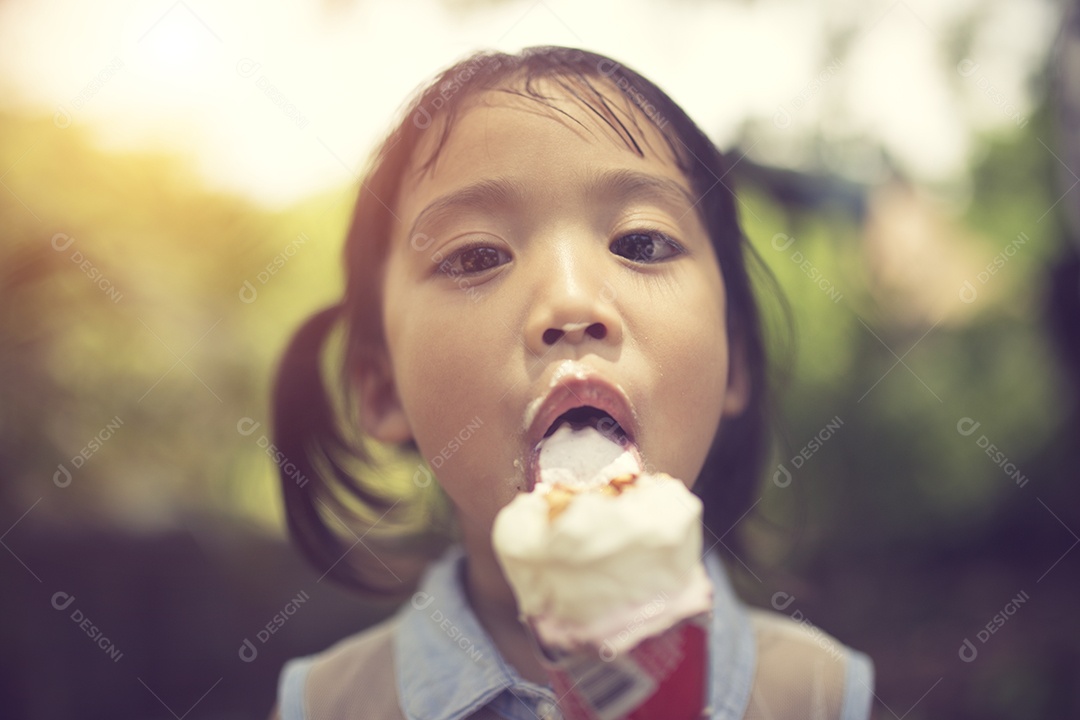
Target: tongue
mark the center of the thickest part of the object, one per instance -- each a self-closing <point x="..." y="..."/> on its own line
<point x="583" y="457"/>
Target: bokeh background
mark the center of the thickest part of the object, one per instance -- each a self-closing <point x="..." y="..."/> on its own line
<point x="175" y="182"/>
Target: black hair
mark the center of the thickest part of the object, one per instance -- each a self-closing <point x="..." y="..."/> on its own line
<point x="401" y="526"/>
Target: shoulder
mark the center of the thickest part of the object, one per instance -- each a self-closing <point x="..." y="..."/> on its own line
<point x="369" y="650"/>
<point x="357" y="672"/>
<point x="804" y="672"/>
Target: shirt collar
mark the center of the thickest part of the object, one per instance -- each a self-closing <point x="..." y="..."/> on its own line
<point x="732" y="651"/>
<point x="448" y="667"/>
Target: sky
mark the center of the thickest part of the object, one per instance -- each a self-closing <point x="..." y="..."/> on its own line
<point x="278" y="101"/>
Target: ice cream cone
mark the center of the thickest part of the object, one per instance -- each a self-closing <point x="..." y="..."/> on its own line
<point x="609" y="580"/>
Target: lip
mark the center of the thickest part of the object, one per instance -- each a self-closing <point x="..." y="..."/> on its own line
<point x="580" y="387"/>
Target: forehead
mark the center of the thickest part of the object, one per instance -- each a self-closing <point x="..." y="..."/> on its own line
<point x="558" y="133"/>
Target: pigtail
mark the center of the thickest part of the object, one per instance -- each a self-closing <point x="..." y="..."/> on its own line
<point x="334" y="496"/>
<point x="305" y="427"/>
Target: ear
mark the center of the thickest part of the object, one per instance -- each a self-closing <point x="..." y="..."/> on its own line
<point x="737" y="394"/>
<point x="381" y="413"/>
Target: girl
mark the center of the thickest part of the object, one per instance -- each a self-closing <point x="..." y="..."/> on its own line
<point x="535" y="221"/>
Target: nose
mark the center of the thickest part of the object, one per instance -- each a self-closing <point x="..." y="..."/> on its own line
<point x="574" y="304"/>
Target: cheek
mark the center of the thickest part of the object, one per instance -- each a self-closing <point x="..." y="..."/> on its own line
<point x="693" y="367"/>
<point x="450" y="381"/>
<point x="434" y="374"/>
<point x="452" y="431"/>
<point x="693" y="405"/>
<point x="417" y="333"/>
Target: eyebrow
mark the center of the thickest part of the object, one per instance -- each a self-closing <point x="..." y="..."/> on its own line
<point x="482" y="195"/>
<point x="639" y="185"/>
<point x="485" y="195"/>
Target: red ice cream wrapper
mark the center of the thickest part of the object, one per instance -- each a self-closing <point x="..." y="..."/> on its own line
<point x="663" y="677"/>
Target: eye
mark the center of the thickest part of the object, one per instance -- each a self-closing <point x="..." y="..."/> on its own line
<point x="473" y="260"/>
<point x="646" y="247"/>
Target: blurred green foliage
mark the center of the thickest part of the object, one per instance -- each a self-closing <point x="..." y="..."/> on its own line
<point x="139" y="319"/>
<point x="898" y="366"/>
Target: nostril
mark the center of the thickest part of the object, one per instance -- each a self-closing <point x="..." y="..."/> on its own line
<point x="595" y="330"/>
<point x="551" y="336"/>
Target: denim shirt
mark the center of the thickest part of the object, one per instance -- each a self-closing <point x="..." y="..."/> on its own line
<point x="448" y="668"/>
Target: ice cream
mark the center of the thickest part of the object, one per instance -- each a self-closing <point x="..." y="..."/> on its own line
<point x="582" y="458"/>
<point x="599" y="554"/>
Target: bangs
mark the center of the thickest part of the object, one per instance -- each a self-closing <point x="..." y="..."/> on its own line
<point x="609" y="94"/>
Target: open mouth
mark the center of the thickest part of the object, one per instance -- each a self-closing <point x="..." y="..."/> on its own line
<point x="589" y="416"/>
<point x="581" y="402"/>
<point x="584" y="446"/>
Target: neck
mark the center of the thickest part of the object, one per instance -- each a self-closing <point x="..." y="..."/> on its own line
<point x="494" y="605"/>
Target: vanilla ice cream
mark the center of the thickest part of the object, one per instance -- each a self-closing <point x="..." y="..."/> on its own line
<point x="582" y="458"/>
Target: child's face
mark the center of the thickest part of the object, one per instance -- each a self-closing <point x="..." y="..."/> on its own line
<point x="535" y="272"/>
